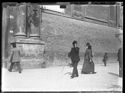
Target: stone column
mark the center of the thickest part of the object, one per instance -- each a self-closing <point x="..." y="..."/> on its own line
<point x="117" y="15"/>
<point x="120" y="36"/>
<point x="21" y="20"/>
<point x="4" y="26"/>
<point x="8" y="27"/>
<point x="121" y="17"/>
<point x="5" y="34"/>
<point x="83" y="11"/>
<point x="72" y="7"/>
<point x="34" y="20"/>
<point x="112" y="21"/>
<point x="11" y="28"/>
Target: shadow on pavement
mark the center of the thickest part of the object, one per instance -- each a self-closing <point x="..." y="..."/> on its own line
<point x="115" y="86"/>
<point x="113" y="74"/>
<point x="69" y="73"/>
<point x="104" y="65"/>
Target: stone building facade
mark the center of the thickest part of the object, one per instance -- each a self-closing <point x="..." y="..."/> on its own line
<point x="110" y="15"/>
<point x="22" y="22"/>
<point x="18" y="22"/>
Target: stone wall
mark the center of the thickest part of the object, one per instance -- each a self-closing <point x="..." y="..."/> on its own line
<point x="58" y="32"/>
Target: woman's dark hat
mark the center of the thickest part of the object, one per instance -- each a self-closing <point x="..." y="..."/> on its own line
<point x="88" y="44"/>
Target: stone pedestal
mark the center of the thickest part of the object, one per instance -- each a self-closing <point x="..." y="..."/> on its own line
<point x="31" y="52"/>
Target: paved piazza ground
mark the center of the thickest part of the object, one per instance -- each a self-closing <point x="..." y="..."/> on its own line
<point x="57" y="78"/>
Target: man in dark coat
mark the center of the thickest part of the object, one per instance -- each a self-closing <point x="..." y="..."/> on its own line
<point x="120" y="51"/>
<point x="74" y="55"/>
<point x="15" y="58"/>
<point x="120" y="60"/>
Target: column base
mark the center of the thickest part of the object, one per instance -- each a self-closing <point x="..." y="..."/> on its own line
<point x="20" y="34"/>
<point x="34" y="36"/>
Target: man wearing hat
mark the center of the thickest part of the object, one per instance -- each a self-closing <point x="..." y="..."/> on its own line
<point x="120" y="52"/>
<point x="14" y="57"/>
<point x="74" y="55"/>
<point x="120" y="57"/>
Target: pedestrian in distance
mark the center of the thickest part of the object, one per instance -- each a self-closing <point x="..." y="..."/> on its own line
<point x="74" y="55"/>
<point x="15" y="58"/>
<point x="105" y="58"/>
<point x="120" y="60"/>
<point x="120" y="51"/>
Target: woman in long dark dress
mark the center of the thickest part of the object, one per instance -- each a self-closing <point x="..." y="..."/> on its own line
<point x="88" y="66"/>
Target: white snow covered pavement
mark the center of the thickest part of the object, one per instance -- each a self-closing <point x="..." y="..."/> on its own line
<point x="57" y="78"/>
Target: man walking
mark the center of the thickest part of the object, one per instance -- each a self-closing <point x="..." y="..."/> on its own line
<point x="120" y="60"/>
<point x="74" y="55"/>
<point x="120" y="52"/>
<point x="15" y="58"/>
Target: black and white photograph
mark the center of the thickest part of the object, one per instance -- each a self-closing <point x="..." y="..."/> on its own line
<point x="62" y="46"/>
